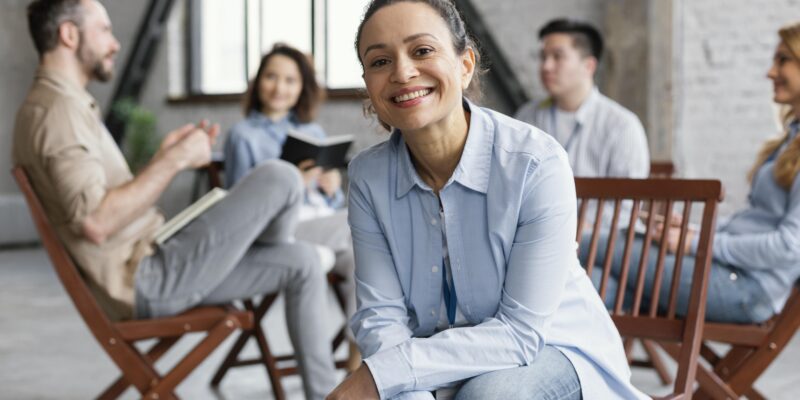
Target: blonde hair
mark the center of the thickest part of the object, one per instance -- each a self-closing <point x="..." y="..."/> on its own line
<point x="787" y="165"/>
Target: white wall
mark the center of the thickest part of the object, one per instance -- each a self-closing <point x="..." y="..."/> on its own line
<point x="723" y="107"/>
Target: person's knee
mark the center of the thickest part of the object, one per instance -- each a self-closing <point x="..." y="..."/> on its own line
<point x="308" y="270"/>
<point x="278" y="173"/>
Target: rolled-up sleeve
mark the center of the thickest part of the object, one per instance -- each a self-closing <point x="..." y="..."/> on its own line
<point x="76" y="174"/>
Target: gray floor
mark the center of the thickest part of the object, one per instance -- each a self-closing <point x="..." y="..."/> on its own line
<point x="46" y="352"/>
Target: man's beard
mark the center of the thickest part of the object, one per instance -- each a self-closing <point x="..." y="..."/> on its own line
<point x="93" y="64"/>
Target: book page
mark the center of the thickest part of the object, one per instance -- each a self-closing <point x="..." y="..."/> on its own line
<point x="188" y="215"/>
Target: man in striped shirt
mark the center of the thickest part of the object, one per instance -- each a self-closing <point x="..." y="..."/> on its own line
<point x="602" y="138"/>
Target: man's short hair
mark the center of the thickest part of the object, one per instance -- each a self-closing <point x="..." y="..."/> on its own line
<point x="44" y="18"/>
<point x="585" y="37"/>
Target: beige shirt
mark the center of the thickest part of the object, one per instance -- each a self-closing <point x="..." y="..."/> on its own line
<point x="72" y="162"/>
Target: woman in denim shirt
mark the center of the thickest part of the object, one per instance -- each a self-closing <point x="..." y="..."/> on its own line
<point x="463" y="228"/>
<point x="284" y="97"/>
<point x="756" y="251"/>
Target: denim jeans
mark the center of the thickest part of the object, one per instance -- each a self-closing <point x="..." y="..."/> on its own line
<point x="733" y="295"/>
<point x="550" y="377"/>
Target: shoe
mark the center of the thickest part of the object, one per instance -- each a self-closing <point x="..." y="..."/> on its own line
<point x="327" y="258"/>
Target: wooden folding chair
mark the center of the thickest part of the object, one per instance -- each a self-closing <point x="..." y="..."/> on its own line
<point x="640" y="315"/>
<point x="118" y="338"/>
<point x="277" y="366"/>
<point x="753" y="348"/>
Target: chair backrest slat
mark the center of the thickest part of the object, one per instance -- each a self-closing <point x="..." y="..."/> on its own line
<point x="626" y="258"/>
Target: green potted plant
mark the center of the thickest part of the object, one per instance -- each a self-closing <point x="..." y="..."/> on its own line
<point x="141" y="140"/>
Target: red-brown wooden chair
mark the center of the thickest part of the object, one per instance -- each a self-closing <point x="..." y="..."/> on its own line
<point x="636" y="315"/>
<point x="118" y="338"/>
<point x="281" y="365"/>
<point x="753" y="348"/>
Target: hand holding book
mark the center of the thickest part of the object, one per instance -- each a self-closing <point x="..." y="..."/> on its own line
<point x="327" y="152"/>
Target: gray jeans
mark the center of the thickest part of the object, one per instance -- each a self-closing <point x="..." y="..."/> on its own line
<point x="241" y="248"/>
<point x="333" y="232"/>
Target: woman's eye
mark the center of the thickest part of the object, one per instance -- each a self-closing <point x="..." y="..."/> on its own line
<point x="379" y="62"/>
<point x="423" y="51"/>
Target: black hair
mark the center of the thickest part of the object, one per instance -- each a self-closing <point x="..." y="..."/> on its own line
<point x="585" y="37"/>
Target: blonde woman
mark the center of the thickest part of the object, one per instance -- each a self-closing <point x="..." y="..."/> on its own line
<point x="756" y="252"/>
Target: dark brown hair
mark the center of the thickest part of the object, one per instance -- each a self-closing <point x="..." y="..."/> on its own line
<point x="311" y="95"/>
<point x="44" y="18"/>
<point x="458" y="32"/>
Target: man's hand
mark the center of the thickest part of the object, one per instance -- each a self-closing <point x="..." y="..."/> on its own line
<point x="330" y="182"/>
<point x="185" y="147"/>
<point x="358" y="386"/>
<point x="190" y="146"/>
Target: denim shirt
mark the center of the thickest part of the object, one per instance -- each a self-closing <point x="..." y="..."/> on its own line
<point x="257" y="139"/>
<point x="764" y="238"/>
<point x="510" y="218"/>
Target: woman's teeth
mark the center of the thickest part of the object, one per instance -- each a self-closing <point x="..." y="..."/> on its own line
<point x="412" y="95"/>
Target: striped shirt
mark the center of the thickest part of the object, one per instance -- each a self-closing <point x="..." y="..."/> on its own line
<point x="608" y="141"/>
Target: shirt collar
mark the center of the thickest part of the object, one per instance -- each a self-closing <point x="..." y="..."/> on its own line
<point x="583" y="112"/>
<point x="474" y="167"/>
<point x="68" y="86"/>
<point x="259" y="118"/>
<point x="794" y="126"/>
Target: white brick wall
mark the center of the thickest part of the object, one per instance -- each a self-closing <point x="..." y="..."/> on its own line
<point x="723" y="107"/>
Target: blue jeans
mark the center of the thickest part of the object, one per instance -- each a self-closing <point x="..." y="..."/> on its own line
<point x="550" y="377"/>
<point x="733" y="295"/>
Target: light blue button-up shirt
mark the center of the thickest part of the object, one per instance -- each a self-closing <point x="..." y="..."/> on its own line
<point x="257" y="139"/>
<point x="764" y="238"/>
<point x="510" y="216"/>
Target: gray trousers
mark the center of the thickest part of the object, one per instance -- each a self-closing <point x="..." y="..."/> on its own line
<point x="241" y="248"/>
<point x="333" y="232"/>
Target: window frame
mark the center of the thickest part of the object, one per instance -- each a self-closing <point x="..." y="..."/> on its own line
<point x="193" y="54"/>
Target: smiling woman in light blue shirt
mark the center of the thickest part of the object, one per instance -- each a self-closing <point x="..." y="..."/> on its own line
<point x="463" y="228"/>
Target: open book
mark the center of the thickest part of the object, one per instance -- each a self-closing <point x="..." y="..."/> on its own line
<point x="188" y="215"/>
<point x="326" y="152"/>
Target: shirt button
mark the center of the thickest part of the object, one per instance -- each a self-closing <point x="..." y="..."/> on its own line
<point x="433" y="221"/>
<point x="733" y="276"/>
<point x="435" y="269"/>
<point x="433" y="312"/>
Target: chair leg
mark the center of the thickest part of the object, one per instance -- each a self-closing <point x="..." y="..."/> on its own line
<point x="273" y="373"/>
<point x="754" y="394"/>
<point x="121" y="384"/>
<point x="656" y="361"/>
<point x="231" y="360"/>
<point x="710" y="385"/>
<point x="163" y="388"/>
